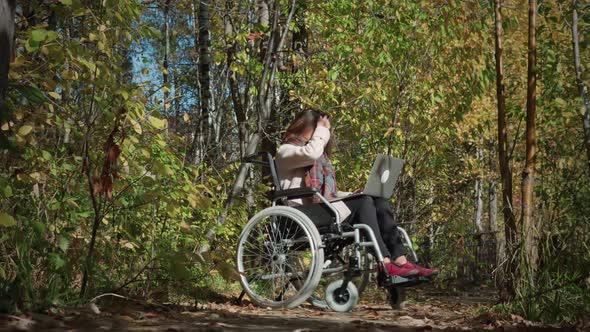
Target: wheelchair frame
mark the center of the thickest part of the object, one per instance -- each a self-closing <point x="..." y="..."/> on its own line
<point x="341" y="295"/>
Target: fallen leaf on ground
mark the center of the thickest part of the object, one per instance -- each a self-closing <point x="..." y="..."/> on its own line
<point x="94" y="308"/>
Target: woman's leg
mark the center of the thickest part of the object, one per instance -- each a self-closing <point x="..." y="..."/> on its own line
<point x="392" y="238"/>
<point x="363" y="211"/>
<point x="388" y="228"/>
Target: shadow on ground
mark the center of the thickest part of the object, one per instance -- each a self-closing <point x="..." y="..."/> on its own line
<point x="425" y="311"/>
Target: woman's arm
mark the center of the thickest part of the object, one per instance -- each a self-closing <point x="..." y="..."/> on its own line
<point x="291" y="156"/>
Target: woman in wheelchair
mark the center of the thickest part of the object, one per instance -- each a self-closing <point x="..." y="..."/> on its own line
<point x="303" y="160"/>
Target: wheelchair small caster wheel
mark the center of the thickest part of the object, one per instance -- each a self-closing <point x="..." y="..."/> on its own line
<point x="341" y="300"/>
<point x="397" y="297"/>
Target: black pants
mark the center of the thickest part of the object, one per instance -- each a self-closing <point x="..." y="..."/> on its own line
<point x="375" y="212"/>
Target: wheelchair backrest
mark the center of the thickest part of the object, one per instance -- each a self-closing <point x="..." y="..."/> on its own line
<point x="265" y="158"/>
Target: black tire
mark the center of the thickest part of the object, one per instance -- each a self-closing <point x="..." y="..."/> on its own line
<point x="397" y="297"/>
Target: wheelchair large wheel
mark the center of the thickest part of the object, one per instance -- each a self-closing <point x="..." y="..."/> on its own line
<point x="280" y="257"/>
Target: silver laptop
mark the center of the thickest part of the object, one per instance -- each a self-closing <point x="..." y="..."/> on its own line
<point x="383" y="178"/>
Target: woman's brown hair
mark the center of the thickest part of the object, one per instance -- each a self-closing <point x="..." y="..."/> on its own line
<point x="304" y="120"/>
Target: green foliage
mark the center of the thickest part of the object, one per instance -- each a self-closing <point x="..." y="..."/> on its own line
<point x="98" y="139"/>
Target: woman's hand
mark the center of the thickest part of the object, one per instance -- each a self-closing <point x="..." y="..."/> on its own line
<point x="324" y="121"/>
<point x="358" y="191"/>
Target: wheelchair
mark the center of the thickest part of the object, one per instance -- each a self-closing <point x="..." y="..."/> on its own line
<point x="284" y="252"/>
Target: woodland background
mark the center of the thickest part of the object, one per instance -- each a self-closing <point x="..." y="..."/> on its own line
<point x="123" y="123"/>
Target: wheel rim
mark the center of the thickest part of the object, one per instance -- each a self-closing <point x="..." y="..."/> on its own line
<point x="339" y="299"/>
<point x="341" y="296"/>
<point x="276" y="253"/>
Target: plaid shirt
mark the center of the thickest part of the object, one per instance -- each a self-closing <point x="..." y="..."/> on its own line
<point x="320" y="175"/>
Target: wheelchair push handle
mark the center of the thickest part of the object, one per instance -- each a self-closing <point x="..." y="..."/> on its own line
<point x="258" y="158"/>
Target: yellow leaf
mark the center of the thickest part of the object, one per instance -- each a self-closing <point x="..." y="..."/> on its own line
<point x="157" y="123"/>
<point x="192" y="200"/>
<point x="25" y="130"/>
<point x="184" y="226"/>
<point x="136" y="126"/>
<point x="55" y="95"/>
<point x="389" y="130"/>
<point x="186" y="118"/>
<point x="6" y="220"/>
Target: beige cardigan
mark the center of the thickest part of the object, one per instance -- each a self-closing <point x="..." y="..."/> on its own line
<point x="292" y="159"/>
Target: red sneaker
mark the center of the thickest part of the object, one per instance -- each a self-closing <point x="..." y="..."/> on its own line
<point x="406" y="270"/>
<point x="422" y="271"/>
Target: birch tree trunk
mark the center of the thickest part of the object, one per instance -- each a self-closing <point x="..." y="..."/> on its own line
<point x="505" y="172"/>
<point x="263" y="11"/>
<point x="581" y="86"/>
<point x="7" y="8"/>
<point x="528" y="176"/>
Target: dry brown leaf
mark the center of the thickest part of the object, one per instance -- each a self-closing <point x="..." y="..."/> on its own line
<point x="127" y="318"/>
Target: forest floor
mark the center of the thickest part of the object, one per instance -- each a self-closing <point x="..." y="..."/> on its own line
<point x="426" y="309"/>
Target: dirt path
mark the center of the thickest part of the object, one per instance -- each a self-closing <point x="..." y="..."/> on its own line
<point x="423" y="312"/>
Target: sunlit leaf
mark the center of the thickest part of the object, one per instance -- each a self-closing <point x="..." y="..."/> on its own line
<point x="39" y="35"/>
<point x="63" y="243"/>
<point x="157" y="123"/>
<point x="6" y="220"/>
<point x="25" y="130"/>
<point x="55" y="95"/>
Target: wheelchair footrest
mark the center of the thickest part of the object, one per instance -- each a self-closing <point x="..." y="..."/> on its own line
<point x="388" y="281"/>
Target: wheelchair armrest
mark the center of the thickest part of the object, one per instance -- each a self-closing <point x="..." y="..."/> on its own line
<point x="294" y="193"/>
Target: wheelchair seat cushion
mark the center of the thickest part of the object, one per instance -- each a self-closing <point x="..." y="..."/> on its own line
<point x="320" y="215"/>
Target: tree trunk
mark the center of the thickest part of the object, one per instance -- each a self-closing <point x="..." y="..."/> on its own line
<point x="166" y="69"/>
<point x="581" y="86"/>
<point x="492" y="198"/>
<point x="206" y="101"/>
<point x="202" y="130"/>
<point x="478" y="227"/>
<point x="264" y="101"/>
<point x="263" y="12"/>
<point x="7" y="8"/>
<point x="301" y="36"/>
<point x="528" y="176"/>
<point x="493" y="205"/>
<point x="505" y="171"/>
<point x="177" y="94"/>
<point x="478" y="222"/>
